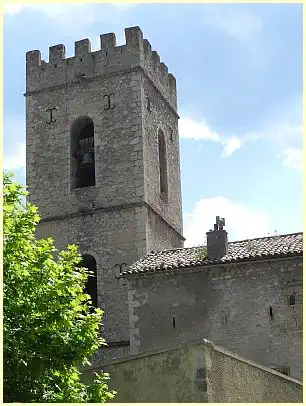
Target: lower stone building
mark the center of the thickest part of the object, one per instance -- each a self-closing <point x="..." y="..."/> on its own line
<point x="243" y="295"/>
<point x="196" y="372"/>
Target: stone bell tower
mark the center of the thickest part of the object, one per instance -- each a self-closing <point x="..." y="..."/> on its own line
<point x="103" y="160"/>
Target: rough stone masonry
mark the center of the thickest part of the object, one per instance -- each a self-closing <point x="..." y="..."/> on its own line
<point x="246" y="296"/>
<point x="129" y="99"/>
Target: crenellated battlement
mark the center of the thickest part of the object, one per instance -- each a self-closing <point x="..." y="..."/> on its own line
<point x="85" y="64"/>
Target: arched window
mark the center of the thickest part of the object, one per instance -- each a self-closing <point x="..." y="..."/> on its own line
<point x="91" y="289"/>
<point x="83" y="156"/>
<point x="162" y="156"/>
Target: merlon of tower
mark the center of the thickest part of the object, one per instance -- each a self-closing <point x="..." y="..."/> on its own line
<point x="136" y="53"/>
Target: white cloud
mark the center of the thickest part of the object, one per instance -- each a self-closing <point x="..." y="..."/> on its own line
<point x="284" y="125"/>
<point x="236" y="23"/>
<point x="17" y="159"/>
<point x="241" y="222"/>
<point x="200" y="131"/>
<point x="197" y="130"/>
<point x="288" y="139"/>
<point x="231" y="145"/>
<point x="292" y="158"/>
<point x="285" y="136"/>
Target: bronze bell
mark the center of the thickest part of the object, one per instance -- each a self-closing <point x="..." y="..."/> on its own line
<point x="87" y="159"/>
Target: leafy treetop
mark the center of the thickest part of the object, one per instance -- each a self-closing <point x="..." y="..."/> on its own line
<point x="50" y="328"/>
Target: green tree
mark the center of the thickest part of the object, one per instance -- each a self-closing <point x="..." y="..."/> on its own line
<point x="50" y="328"/>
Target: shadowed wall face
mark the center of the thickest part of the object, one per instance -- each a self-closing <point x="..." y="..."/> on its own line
<point x="197" y="373"/>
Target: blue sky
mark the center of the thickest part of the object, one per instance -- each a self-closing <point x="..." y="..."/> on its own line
<point x="239" y="77"/>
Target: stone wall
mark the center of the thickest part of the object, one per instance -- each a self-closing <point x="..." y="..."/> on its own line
<point x="159" y="235"/>
<point x="112" y="220"/>
<point x="197" y="372"/>
<point x="94" y="233"/>
<point x="161" y="117"/>
<point x="118" y="146"/>
<point x="243" y="307"/>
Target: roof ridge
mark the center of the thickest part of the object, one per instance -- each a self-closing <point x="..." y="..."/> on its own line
<point x="268" y="236"/>
<point x="230" y="242"/>
<point x="269" y="247"/>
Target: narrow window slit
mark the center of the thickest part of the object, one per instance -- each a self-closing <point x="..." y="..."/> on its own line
<point x="271" y="313"/>
<point x="291" y="300"/>
<point x="162" y="155"/>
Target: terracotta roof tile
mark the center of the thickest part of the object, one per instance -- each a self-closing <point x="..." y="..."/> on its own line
<point x="247" y="250"/>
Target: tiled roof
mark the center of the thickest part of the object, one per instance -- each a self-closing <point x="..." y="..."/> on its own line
<point x="280" y="246"/>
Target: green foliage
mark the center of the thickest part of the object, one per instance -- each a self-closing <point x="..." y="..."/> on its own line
<point x="201" y="253"/>
<point x="50" y="328"/>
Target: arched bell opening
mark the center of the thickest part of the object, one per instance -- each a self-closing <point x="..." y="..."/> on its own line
<point x="91" y="287"/>
<point x="83" y="153"/>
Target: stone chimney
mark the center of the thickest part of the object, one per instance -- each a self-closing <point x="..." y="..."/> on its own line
<point x="217" y="244"/>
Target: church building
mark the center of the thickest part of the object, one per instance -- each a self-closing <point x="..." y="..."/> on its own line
<point x="103" y="167"/>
